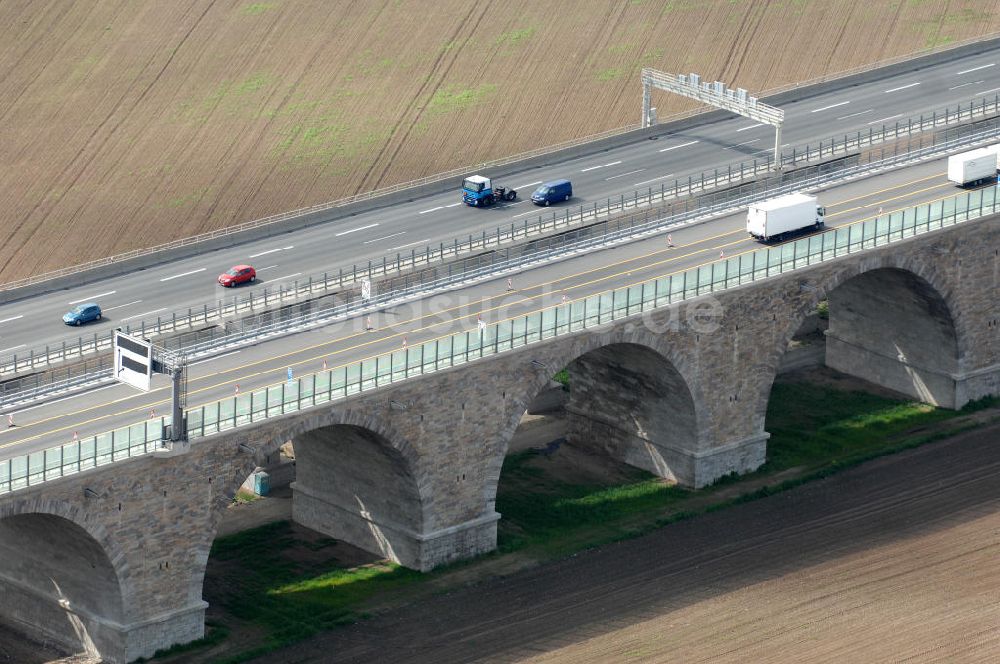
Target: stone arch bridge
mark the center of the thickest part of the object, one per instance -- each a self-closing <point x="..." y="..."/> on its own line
<point x="112" y="560"/>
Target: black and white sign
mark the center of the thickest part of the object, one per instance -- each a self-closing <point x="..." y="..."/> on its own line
<point x="366" y="289"/>
<point x="133" y="360"/>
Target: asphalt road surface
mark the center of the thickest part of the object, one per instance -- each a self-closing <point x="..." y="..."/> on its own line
<point x="177" y="285"/>
<point x="254" y="366"/>
<point x="893" y="561"/>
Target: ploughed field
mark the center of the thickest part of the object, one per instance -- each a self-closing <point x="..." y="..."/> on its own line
<point x="128" y="124"/>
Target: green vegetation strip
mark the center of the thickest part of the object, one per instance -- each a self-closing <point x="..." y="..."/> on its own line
<point x="283" y="584"/>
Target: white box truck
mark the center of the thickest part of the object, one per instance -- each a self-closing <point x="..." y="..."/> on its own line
<point x="973" y="167"/>
<point x="778" y="217"/>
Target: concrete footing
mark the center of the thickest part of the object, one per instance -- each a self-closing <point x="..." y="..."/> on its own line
<point x="417" y="550"/>
<point x="59" y="622"/>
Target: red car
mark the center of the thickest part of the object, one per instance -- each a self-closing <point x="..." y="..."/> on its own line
<point x="237" y="275"/>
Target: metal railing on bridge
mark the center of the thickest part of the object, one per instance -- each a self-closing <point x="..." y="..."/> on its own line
<point x="690" y="196"/>
<point x="453" y="350"/>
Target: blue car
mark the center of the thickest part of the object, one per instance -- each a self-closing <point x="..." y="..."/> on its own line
<point x="82" y="313"/>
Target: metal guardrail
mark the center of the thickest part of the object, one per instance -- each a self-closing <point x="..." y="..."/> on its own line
<point x="435" y="355"/>
<point x="397" y="289"/>
<point x="461" y="172"/>
<point x="546" y="223"/>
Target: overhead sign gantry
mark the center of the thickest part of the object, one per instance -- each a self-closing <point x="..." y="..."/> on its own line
<point x="715" y="94"/>
<point x="135" y="364"/>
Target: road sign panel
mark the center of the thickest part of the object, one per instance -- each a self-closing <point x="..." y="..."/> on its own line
<point x="133" y="360"/>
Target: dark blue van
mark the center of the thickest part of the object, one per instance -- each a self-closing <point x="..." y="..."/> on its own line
<point x="552" y="192"/>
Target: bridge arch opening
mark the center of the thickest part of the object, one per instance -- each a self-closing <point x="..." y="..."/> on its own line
<point x="353" y="484"/>
<point x="59" y="585"/>
<point x="891" y="327"/>
<point x="617" y="415"/>
<point x="622" y="402"/>
<point x="630" y="402"/>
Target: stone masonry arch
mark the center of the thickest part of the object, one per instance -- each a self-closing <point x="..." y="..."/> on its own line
<point x="553" y="358"/>
<point x="933" y="287"/>
<point x="63" y="577"/>
<point x="357" y="480"/>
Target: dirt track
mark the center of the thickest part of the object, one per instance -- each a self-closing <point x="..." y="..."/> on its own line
<point x="892" y="561"/>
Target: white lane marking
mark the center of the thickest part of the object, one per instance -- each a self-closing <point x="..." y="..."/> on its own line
<point x="854" y="115"/>
<point x="962" y="85"/>
<point x="73" y="396"/>
<point x="355" y="230"/>
<point x="209" y="359"/>
<point x="662" y="177"/>
<point x="440" y="207"/>
<point x="753" y="126"/>
<point x="386" y="237"/>
<point x="93" y="297"/>
<point x="624" y="174"/>
<point x="404" y="246"/>
<point x="530" y="184"/>
<point x="177" y="276"/>
<point x="7" y="320"/>
<point x="7" y="350"/>
<point x="524" y="214"/>
<point x="593" y="168"/>
<point x="902" y="87"/>
<point x="119" y="306"/>
<point x="286" y="277"/>
<point x="682" y="145"/>
<point x="986" y="92"/>
<point x="827" y="108"/>
<point x="891" y="117"/>
<point x="969" y="71"/>
<point x="454" y="204"/>
<point x="291" y="246"/>
<point x="741" y="144"/>
<point x="269" y="267"/>
<point x="265" y="253"/>
<point x="148" y="313"/>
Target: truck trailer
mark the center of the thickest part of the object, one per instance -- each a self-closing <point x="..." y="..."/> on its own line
<point x="973" y="167"/>
<point x="779" y="217"/>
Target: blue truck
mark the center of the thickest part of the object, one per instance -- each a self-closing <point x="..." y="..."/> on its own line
<point x="478" y="191"/>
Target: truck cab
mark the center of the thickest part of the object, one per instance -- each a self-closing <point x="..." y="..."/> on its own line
<point x="477" y="191"/>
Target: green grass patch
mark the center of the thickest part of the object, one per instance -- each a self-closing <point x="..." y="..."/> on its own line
<point x="562" y="377"/>
<point x="558" y="517"/>
<point x="820" y="430"/>
<point x="291" y="587"/>
<point x="449" y="100"/>
<point x="515" y="37"/>
<point x="257" y="8"/>
<point x="609" y="74"/>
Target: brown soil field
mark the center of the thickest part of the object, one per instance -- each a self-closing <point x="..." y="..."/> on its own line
<point x="128" y="123"/>
<point x="892" y="561"/>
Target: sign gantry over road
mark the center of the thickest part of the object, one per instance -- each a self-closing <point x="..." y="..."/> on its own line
<point x="715" y="94"/>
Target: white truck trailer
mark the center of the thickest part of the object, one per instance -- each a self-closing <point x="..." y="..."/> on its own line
<point x="973" y="167"/>
<point x="778" y="217"/>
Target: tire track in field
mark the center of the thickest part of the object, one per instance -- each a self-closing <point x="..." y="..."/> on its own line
<point x="426" y="91"/>
<point x="92" y="147"/>
<point x="235" y="174"/>
<point x="26" y="56"/>
<point x="738" y="50"/>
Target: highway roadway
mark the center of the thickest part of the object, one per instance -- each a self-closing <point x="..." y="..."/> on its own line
<point x="267" y="363"/>
<point x="177" y="285"/>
